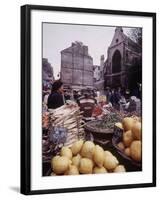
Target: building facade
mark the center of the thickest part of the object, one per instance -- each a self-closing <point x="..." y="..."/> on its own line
<point x="99" y="70"/>
<point x="123" y="67"/>
<point x="99" y="76"/>
<point x="97" y="73"/>
<point x="77" y="67"/>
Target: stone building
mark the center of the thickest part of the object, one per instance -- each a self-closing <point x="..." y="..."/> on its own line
<point x="76" y="67"/>
<point x="99" y="75"/>
<point x="98" y="70"/>
<point x="123" y="66"/>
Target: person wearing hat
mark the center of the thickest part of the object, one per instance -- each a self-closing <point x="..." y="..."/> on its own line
<point x="56" y="98"/>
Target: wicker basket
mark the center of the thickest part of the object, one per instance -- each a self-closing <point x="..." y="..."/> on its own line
<point x="117" y="137"/>
<point x="98" y="132"/>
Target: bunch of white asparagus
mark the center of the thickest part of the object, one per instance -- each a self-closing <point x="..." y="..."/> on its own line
<point x="69" y="117"/>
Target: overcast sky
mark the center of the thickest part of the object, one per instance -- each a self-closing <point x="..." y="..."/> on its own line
<point x="57" y="37"/>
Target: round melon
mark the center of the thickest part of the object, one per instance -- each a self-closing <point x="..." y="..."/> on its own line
<point x="65" y="151"/>
<point x="60" y="164"/>
<point x="136" y="150"/>
<point x="120" y="168"/>
<point x="73" y="170"/>
<point x="128" y="123"/>
<point x="76" y="160"/>
<point x="86" y="166"/>
<point x="88" y="149"/>
<point x="110" y="162"/>
<point x="99" y="170"/>
<point x="137" y="131"/>
<point x="76" y="147"/>
<point x="127" y="138"/>
<point x="98" y="156"/>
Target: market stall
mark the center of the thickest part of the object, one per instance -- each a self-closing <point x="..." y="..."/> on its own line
<point x="74" y="145"/>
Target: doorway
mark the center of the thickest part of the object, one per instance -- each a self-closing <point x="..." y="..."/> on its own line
<point x="116" y="62"/>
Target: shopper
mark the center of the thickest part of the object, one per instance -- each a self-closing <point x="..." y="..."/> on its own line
<point x="56" y="98"/>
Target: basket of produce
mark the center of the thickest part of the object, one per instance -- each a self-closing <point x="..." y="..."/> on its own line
<point x="65" y="128"/>
<point x="104" y="127"/>
<point x="84" y="157"/>
<point x="127" y="140"/>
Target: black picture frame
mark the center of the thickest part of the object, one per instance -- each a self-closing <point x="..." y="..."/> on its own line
<point x="26" y="97"/>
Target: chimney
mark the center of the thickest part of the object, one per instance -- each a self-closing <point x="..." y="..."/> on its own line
<point x="102" y="61"/>
<point x="85" y="50"/>
<point x="73" y="44"/>
<point x="119" y="28"/>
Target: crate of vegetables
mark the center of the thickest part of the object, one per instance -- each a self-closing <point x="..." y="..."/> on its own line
<point x="127" y="140"/>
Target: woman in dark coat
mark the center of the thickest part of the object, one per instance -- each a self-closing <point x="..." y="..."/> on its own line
<point x="56" y="98"/>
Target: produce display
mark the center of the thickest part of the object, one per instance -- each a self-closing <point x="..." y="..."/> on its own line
<point x="131" y="143"/>
<point x="69" y="117"/>
<point x="66" y="148"/>
<point x="53" y="140"/>
<point x="104" y="124"/>
<point x="64" y="126"/>
<point x="109" y="120"/>
<point x="85" y="157"/>
<point x="61" y="164"/>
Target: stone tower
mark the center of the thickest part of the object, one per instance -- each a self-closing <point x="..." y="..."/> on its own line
<point x="123" y="65"/>
<point x="77" y="66"/>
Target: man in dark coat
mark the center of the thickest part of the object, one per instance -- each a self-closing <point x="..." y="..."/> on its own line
<point x="56" y="98"/>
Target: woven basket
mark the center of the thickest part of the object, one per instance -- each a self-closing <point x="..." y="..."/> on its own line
<point x="91" y="126"/>
<point x="117" y="137"/>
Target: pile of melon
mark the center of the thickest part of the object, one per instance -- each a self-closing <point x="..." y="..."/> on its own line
<point x="84" y="158"/>
<point x="131" y="143"/>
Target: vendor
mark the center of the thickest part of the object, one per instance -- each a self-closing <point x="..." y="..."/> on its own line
<point x="56" y="98"/>
<point x="86" y="104"/>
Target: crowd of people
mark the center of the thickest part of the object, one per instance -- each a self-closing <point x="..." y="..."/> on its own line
<point x="119" y="98"/>
<point x="123" y="98"/>
<point x="57" y="95"/>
